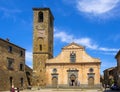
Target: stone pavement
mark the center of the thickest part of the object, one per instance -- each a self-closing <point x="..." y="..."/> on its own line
<point x="67" y="90"/>
<point x="61" y="90"/>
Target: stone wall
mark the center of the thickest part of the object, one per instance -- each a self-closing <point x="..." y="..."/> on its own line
<point x="83" y="70"/>
<point x="12" y="73"/>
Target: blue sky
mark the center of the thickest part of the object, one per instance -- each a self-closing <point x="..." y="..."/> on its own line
<point x="94" y="24"/>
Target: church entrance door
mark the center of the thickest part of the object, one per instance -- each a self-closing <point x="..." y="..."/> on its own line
<point x="91" y="81"/>
<point x="54" y="82"/>
<point x="72" y="78"/>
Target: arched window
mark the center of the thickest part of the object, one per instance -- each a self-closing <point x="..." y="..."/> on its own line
<point x="40" y="17"/>
<point x="21" y="67"/>
<point x="40" y="47"/>
<point x="72" y="57"/>
<point x="21" y="53"/>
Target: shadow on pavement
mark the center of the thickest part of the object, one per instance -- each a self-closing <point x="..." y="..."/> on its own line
<point x="111" y="90"/>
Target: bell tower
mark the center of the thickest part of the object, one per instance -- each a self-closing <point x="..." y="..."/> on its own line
<point x="42" y="43"/>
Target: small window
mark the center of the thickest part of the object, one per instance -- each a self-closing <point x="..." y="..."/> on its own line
<point x="40" y="17"/>
<point x="21" y="67"/>
<point x="21" y="82"/>
<point x="10" y="63"/>
<point x="11" y="80"/>
<point x="51" y="22"/>
<point x="10" y="49"/>
<point x="40" y="47"/>
<point x="72" y="57"/>
<point x="21" y="53"/>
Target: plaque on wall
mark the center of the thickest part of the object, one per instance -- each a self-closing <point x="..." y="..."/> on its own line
<point x="38" y="27"/>
<point x="41" y="33"/>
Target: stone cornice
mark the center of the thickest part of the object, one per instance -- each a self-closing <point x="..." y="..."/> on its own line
<point x="41" y="53"/>
<point x="11" y="44"/>
<point x="80" y="63"/>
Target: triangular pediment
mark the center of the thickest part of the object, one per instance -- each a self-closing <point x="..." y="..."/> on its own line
<point x="73" y="46"/>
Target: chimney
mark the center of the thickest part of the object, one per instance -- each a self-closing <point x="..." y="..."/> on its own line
<point x="7" y="39"/>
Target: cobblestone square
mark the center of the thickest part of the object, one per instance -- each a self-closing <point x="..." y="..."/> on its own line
<point x="67" y="90"/>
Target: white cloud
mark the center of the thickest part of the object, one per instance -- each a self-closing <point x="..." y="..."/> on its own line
<point x="28" y="55"/>
<point x="96" y="6"/>
<point x="107" y="49"/>
<point x="9" y="13"/>
<point x="85" y="41"/>
<point x="68" y="38"/>
<point x="64" y="37"/>
<point x="6" y="10"/>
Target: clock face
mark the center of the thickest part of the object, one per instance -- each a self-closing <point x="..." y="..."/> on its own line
<point x="41" y="33"/>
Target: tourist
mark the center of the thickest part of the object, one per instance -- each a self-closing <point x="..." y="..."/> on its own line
<point x="12" y="89"/>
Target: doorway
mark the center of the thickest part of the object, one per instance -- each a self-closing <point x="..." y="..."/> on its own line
<point x="91" y="81"/>
<point x="54" y="82"/>
<point x="72" y="79"/>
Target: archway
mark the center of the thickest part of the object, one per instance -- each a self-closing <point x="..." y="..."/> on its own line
<point x="72" y="80"/>
<point x="28" y="78"/>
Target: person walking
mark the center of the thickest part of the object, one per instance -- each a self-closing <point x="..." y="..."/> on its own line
<point x="18" y="89"/>
<point x="12" y="89"/>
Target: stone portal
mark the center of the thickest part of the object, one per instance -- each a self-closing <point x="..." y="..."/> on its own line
<point x="73" y="77"/>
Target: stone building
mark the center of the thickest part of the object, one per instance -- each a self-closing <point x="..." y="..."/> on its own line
<point x="73" y="67"/>
<point x="12" y="66"/>
<point x="118" y="67"/>
<point x="110" y="76"/>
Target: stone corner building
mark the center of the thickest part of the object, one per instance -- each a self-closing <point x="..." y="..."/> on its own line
<point x="117" y="57"/>
<point x="12" y="66"/>
<point x="110" y="76"/>
<point x="72" y="67"/>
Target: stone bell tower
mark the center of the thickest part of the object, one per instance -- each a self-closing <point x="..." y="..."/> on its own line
<point x="42" y="43"/>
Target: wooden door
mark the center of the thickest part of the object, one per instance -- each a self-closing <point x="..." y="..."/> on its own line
<point x="91" y="81"/>
<point x="54" y="82"/>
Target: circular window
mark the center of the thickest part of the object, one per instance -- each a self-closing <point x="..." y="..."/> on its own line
<point x="54" y="70"/>
<point x="91" y="70"/>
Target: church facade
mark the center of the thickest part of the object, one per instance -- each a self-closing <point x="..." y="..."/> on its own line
<point x="72" y="67"/>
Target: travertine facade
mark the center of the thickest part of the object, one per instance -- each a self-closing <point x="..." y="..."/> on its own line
<point x="73" y="67"/>
<point x="12" y="66"/>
